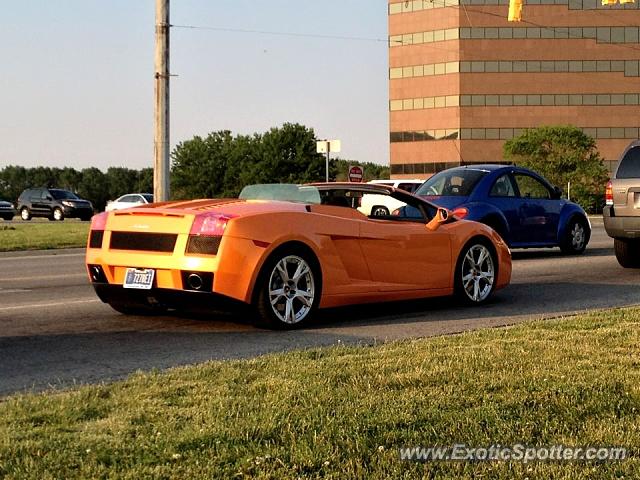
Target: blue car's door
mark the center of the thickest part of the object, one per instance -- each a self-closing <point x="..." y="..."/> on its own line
<point x="538" y="211"/>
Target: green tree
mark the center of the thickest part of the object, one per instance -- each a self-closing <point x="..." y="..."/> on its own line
<point x="563" y="154"/>
<point x="94" y="187"/>
<point x="372" y="171"/>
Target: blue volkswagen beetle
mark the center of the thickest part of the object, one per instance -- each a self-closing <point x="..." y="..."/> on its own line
<point x="525" y="209"/>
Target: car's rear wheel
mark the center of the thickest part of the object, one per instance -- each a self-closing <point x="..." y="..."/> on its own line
<point x="289" y="290"/>
<point x="627" y="252"/>
<point x="576" y="237"/>
<point x="57" y="214"/>
<point x="476" y="272"/>
<point x="379" y="211"/>
<point x="25" y="214"/>
<point x="7" y="217"/>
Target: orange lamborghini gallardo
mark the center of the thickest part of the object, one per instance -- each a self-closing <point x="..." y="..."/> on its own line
<point x="289" y="250"/>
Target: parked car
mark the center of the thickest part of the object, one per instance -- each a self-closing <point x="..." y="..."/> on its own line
<point x="53" y="203"/>
<point x="381" y="205"/>
<point x="129" y="200"/>
<point x="523" y="207"/>
<point x="7" y="210"/>
<point x="622" y="208"/>
<point x="289" y="250"/>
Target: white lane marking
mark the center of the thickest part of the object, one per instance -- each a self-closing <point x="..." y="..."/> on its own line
<point x="14" y="290"/>
<point x="35" y="257"/>
<point x="47" y="305"/>
<point x="45" y="277"/>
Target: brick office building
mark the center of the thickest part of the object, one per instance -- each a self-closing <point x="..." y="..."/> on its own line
<point x="463" y="79"/>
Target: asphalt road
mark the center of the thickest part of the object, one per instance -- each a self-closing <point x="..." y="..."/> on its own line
<point x="54" y="332"/>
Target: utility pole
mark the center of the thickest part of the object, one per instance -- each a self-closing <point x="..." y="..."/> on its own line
<point x="161" y="145"/>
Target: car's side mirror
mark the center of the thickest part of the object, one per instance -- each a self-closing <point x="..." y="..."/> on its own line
<point x="441" y="216"/>
<point x="557" y="193"/>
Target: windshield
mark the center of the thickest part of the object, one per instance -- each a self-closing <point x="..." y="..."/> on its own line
<point x="281" y="191"/>
<point x="148" y="197"/>
<point x="63" y="195"/>
<point x="457" y="182"/>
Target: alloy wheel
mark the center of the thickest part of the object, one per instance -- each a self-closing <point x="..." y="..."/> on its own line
<point x="478" y="273"/>
<point x="291" y="289"/>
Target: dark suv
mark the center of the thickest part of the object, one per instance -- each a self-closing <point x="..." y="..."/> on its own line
<point x="622" y="210"/>
<point x="53" y="203"/>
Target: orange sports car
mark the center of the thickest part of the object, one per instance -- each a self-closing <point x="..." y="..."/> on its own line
<point x="289" y="250"/>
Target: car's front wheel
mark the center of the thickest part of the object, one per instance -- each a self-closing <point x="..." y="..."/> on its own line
<point x="576" y="237"/>
<point x="476" y="272"/>
<point x="627" y="252"/>
<point x="289" y="290"/>
<point x="58" y="215"/>
<point x="25" y="214"/>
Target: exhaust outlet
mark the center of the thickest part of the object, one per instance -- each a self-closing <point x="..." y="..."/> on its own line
<point x="195" y="281"/>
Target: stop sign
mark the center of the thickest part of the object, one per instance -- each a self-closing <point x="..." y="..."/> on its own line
<point x="356" y="173"/>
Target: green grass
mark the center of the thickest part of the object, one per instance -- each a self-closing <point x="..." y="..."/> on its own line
<point x="342" y="412"/>
<point x="42" y="234"/>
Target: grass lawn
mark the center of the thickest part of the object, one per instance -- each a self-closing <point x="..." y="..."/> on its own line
<point x="343" y="412"/>
<point x="43" y="234"/>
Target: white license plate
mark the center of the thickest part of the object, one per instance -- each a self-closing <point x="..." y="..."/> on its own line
<point x="140" y="278"/>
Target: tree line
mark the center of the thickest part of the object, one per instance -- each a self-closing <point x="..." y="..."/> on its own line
<point x="218" y="165"/>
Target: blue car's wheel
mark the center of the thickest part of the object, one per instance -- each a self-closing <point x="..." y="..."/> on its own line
<point x="576" y="236"/>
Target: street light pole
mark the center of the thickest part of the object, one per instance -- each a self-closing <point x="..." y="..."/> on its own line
<point x="161" y="143"/>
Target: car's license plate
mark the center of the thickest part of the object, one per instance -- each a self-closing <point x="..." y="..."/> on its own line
<point x="141" y="278"/>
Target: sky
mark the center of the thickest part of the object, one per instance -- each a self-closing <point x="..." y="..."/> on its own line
<point x="76" y="76"/>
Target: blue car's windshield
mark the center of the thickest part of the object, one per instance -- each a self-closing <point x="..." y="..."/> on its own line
<point x="457" y="182"/>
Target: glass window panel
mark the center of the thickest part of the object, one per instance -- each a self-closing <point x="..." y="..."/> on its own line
<point x="439" y="69"/>
<point x="418" y="5"/>
<point x="452" y="100"/>
<point x="533" y="66"/>
<point x="547" y="66"/>
<point x="429" y="70"/>
<point x="589" y="99"/>
<point x="395" y="73"/>
<point x="465" y="133"/>
<point x="562" y="99"/>
<point x="465" y="33"/>
<point x="492" y="134"/>
<point x="492" y="100"/>
<point x="491" y="32"/>
<point x="395" y="8"/>
<point x="477" y="134"/>
<point x="547" y="99"/>
<point x="630" y="132"/>
<point x="575" y="99"/>
<point x="519" y="99"/>
<point x="428" y="37"/>
<point x="477" y="32"/>
<point x="418" y="37"/>
<point x="533" y="32"/>
<point x="617" y="34"/>
<point x="533" y="99"/>
<point x="505" y="32"/>
<point x="617" y="132"/>
<point x="506" y="66"/>
<point x="631" y="99"/>
<point x="452" y="67"/>
<point x="530" y="187"/>
<point x="418" y="103"/>
<point x="603" y="66"/>
<point x="438" y="35"/>
<point x="589" y="32"/>
<point x="451" y="34"/>
<point x="465" y="100"/>
<point x="617" y="65"/>
<point x="395" y="105"/>
<point x="395" y="137"/>
<point x="506" y="133"/>
<point x="631" y="34"/>
<point x="418" y="71"/>
<point x="440" y="102"/>
<point x="547" y="33"/>
<point x="506" y="100"/>
<point x="518" y="131"/>
<point x="465" y="67"/>
<point x="575" y="32"/>
<point x="407" y="39"/>
<point x="490" y="67"/>
<point x="406" y="7"/>
<point x="603" y="99"/>
<point x="477" y="100"/>
<point x="589" y="66"/>
<point x="631" y="68"/>
<point x="439" y="134"/>
<point x="561" y="32"/>
<point x="429" y="102"/>
<point x="604" y="34"/>
<point x="575" y="66"/>
<point x="519" y="66"/>
<point x="477" y="67"/>
<point x="407" y="72"/>
<point x="604" y="132"/>
<point x="562" y="66"/>
<point x="519" y="33"/>
<point x="590" y="131"/>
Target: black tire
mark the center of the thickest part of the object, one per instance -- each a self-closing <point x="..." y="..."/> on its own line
<point x="25" y="214"/>
<point x="576" y="236"/>
<point x="139" y="310"/>
<point x="627" y="252"/>
<point x="297" y="304"/>
<point x="57" y="214"/>
<point x="482" y="274"/>
<point x="7" y="217"/>
<point x="379" y="211"/>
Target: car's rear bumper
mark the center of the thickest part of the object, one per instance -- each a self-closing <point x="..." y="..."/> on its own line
<point x="620" y="227"/>
<point x="163" y="298"/>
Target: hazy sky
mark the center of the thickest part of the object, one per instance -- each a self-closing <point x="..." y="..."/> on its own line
<point x="76" y="76"/>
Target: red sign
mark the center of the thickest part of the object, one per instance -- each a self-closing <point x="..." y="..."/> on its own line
<point x="356" y="174"/>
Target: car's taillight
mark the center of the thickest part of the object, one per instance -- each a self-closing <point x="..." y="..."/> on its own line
<point x="99" y="221"/>
<point x="460" y="213"/>
<point x="608" y="194"/>
<point x="210" y="224"/>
